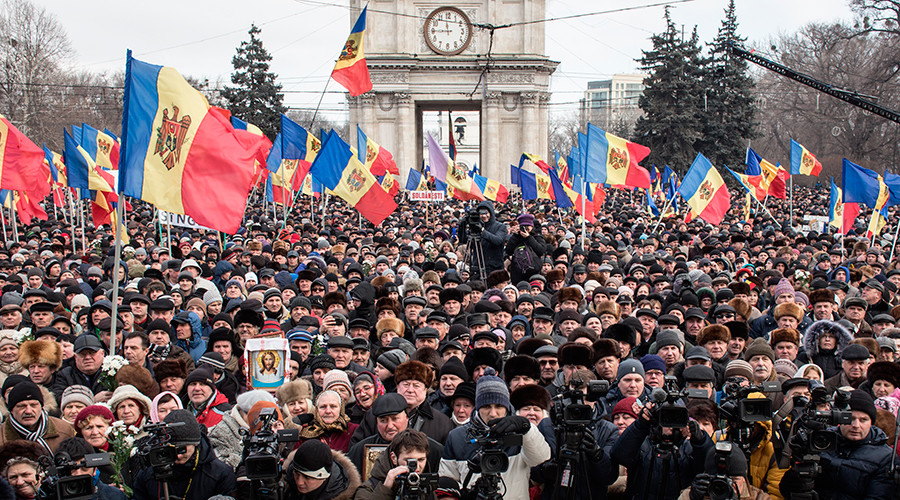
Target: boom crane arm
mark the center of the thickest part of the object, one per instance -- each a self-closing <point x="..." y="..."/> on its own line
<point x="844" y="95"/>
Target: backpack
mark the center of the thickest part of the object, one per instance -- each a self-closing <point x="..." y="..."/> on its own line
<point x="524" y="258"/>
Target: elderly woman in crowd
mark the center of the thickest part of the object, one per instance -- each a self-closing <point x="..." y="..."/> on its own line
<point x="330" y="424"/>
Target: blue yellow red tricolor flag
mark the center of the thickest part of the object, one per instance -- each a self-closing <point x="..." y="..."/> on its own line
<point x="705" y="191"/>
<point x="861" y="185"/>
<point x="752" y="183"/>
<point x="351" y="70"/>
<point x="802" y="161"/>
<point x="451" y="173"/>
<point x="339" y="170"/>
<point x="376" y="158"/>
<point x="537" y="160"/>
<point x="492" y="189"/>
<point x="102" y="147"/>
<point x="416" y="181"/>
<point x="260" y="163"/>
<point x="841" y="216"/>
<point x="774" y="178"/>
<point x="614" y="161"/>
<point x="181" y="154"/>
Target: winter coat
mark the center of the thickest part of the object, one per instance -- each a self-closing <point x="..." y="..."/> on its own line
<point x="107" y="492"/>
<point x="493" y="240"/>
<point x="71" y="375"/>
<point x="434" y="424"/>
<point x="459" y="449"/>
<point x="176" y="353"/>
<point x="195" y="346"/>
<point x="341" y="484"/>
<point x="828" y="361"/>
<point x="226" y="439"/>
<point x="763" y="467"/>
<point x="591" y="478"/>
<point x="356" y="452"/>
<point x="209" y="477"/>
<point x="439" y="403"/>
<point x="214" y="410"/>
<point x="57" y="430"/>
<point x="634" y="450"/>
<point x="374" y="488"/>
<point x="336" y="439"/>
<point x="534" y="241"/>
<point x="855" y="470"/>
<point x="608" y="402"/>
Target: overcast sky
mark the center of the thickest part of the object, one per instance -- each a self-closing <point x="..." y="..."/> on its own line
<point x="199" y="37"/>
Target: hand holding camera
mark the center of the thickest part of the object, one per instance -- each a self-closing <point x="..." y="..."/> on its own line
<point x="512" y="424"/>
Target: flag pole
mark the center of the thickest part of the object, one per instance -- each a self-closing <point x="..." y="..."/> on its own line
<point x="72" y="218"/>
<point x="583" y="209"/>
<point x="3" y="222"/>
<point x="791" y="209"/>
<point x="894" y="244"/>
<point x="81" y="211"/>
<point x="662" y="214"/>
<point x="767" y="212"/>
<point x="12" y="216"/>
<point x="117" y="260"/>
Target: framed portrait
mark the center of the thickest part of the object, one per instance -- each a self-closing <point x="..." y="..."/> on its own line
<point x="266" y="360"/>
<point x="370" y="455"/>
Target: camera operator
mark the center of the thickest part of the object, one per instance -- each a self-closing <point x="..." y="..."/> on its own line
<point x="526" y="247"/>
<point x="661" y="461"/>
<point x="198" y="474"/>
<point x="74" y="449"/>
<point x="390" y="471"/>
<point x="725" y="477"/>
<point x="858" y="465"/>
<point x="492" y="238"/>
<point x="494" y="415"/>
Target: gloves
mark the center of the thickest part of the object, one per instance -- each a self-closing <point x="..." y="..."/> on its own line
<point x="589" y="445"/>
<point x="512" y="424"/>
<point x="697" y="433"/>
<point x="700" y="487"/>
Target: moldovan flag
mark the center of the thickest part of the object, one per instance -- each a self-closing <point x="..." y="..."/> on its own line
<point x="861" y="185"/>
<point x="54" y="162"/>
<point x="492" y="189"/>
<point x="537" y="160"/>
<point x="377" y="159"/>
<point x="802" y="161"/>
<point x="528" y="183"/>
<point x="259" y="163"/>
<point x="20" y="162"/>
<point x="27" y="207"/>
<point x="544" y="186"/>
<point x="339" y="170"/>
<point x="775" y="180"/>
<point x="351" y="70"/>
<point x="451" y="173"/>
<point x="103" y="148"/>
<point x="841" y="215"/>
<point x="705" y="191"/>
<point x="752" y="183"/>
<point x="179" y="153"/>
<point x="416" y="181"/>
<point x="613" y="160"/>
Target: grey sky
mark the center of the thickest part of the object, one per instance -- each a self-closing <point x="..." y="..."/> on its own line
<point x="199" y="37"/>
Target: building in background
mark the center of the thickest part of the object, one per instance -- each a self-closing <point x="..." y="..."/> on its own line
<point x="613" y="104"/>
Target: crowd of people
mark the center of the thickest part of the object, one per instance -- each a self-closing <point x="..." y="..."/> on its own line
<point x="429" y="343"/>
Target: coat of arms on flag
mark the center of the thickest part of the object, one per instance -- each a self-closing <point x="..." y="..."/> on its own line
<point x="617" y="158"/>
<point x="706" y="190"/>
<point x="170" y="137"/>
<point x="356" y="180"/>
<point x="458" y="172"/>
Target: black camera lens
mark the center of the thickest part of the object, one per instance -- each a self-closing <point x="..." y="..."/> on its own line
<point x="720" y="488"/>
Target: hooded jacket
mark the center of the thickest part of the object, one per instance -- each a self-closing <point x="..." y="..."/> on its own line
<point x="493" y="240"/>
<point x="209" y="477"/>
<point x="195" y="346"/>
<point x="226" y="438"/>
<point x="341" y="484"/>
<point x="828" y="361"/>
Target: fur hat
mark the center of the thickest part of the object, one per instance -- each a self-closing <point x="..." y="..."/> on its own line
<point x="497" y="277"/>
<point x="170" y="368"/>
<point x="605" y="347"/>
<point x="573" y="353"/>
<point x="388" y="303"/>
<point x="784" y="335"/>
<point x="870" y="344"/>
<point x="884" y="370"/>
<point x="393" y="324"/>
<point x="741" y="307"/>
<point x="530" y="395"/>
<point x="140" y="378"/>
<point x="555" y="275"/>
<point x="569" y="293"/>
<point x="451" y="294"/>
<point x="528" y="345"/>
<point x="21" y="449"/>
<point x="481" y="356"/>
<point x="521" y="365"/>
<point x="608" y="307"/>
<point x="788" y="309"/>
<point x="295" y="390"/>
<point x="821" y="295"/>
<point x="622" y="333"/>
<point x="713" y="332"/>
<point x="43" y="352"/>
<point x="414" y="370"/>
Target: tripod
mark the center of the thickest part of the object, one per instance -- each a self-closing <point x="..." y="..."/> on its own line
<point x="475" y="257"/>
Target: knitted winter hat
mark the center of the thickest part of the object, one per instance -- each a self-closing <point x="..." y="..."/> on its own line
<point x="188" y="433"/>
<point x="313" y="459"/>
<point x="91" y="411"/>
<point x="77" y="394"/>
<point x="491" y="389"/>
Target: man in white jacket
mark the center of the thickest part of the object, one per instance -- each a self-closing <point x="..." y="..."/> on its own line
<point x="494" y="412"/>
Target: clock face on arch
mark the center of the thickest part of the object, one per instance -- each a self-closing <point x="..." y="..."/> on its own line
<point x="448" y="31"/>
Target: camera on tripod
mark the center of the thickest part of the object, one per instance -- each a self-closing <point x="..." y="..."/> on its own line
<point x="474" y="226"/>
<point x="414" y="484"/>
<point x="666" y="412"/>
<point x="569" y="408"/>
<point x="60" y="484"/>
<point x="491" y="458"/>
<point x="262" y="461"/>
<point x="740" y="409"/>
<point x="721" y="487"/>
<point x="159" y="451"/>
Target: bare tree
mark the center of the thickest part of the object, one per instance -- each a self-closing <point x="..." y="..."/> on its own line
<point x="33" y="47"/>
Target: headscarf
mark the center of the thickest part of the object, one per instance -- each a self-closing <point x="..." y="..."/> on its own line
<point x="154" y="406"/>
<point x="317" y="427"/>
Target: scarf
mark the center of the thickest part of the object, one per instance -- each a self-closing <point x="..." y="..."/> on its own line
<point x="37" y="435"/>
<point x="317" y="427"/>
<point x="10" y="368"/>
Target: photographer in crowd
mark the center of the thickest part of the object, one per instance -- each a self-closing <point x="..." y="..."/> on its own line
<point x="391" y="470"/>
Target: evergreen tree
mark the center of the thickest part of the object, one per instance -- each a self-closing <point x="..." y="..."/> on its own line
<point x="672" y="100"/>
<point x="256" y="97"/>
<point x="730" y="116"/>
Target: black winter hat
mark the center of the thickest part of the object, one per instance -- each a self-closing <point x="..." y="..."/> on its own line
<point x="24" y="391"/>
<point x="313" y="459"/>
<point x="454" y="366"/>
<point x="862" y="401"/>
<point x="186" y="433"/>
<point x="203" y="375"/>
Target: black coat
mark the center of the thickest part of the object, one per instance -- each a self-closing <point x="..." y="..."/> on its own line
<point x="69" y="376"/>
<point x="493" y="241"/>
<point x="210" y="477"/>
<point x="591" y="478"/>
<point x="535" y="242"/>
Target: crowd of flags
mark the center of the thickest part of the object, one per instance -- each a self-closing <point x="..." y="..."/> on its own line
<point x="184" y="156"/>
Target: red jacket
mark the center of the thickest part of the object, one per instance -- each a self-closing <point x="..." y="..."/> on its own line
<point x="212" y="414"/>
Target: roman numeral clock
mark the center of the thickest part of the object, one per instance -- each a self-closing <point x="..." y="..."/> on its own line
<point x="448" y="31"/>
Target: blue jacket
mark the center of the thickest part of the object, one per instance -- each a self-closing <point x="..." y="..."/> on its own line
<point x="645" y="470"/>
<point x="195" y="346"/>
<point x="591" y="478"/>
